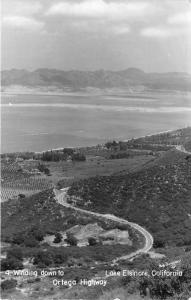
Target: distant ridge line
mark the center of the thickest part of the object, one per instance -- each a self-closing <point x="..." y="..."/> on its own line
<point x="129" y="78"/>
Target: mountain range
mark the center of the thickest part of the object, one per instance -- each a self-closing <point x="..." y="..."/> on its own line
<point x="128" y="78"/>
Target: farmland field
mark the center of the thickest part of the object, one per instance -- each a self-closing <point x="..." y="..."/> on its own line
<point x="94" y="166"/>
<point x="7" y="193"/>
<point x="15" y="181"/>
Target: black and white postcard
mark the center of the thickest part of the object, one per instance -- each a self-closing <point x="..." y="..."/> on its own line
<point x="96" y="150"/>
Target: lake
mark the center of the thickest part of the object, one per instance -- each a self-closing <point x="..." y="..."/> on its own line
<point x="40" y="122"/>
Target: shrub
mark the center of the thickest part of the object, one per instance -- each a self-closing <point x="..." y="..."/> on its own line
<point x="18" y="239"/>
<point x="159" y="243"/>
<point x="30" y="242"/>
<point x="60" y="258"/>
<point x="8" y="284"/>
<point x="58" y="238"/>
<point x="11" y="263"/>
<point x="164" y="287"/>
<point x="15" y="252"/>
<point x="122" y="227"/>
<point x="71" y="239"/>
<point x="42" y="259"/>
<point x="188" y="248"/>
<point x="71" y="221"/>
<point x="42" y="168"/>
<point x="92" y="241"/>
<point x="21" y="196"/>
<point x="37" y="233"/>
<point x="78" y="157"/>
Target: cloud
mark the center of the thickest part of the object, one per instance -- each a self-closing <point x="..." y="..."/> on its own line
<point x="155" y="32"/>
<point x="180" y="18"/>
<point x="21" y="22"/>
<point x="120" y="30"/>
<point x="101" y="9"/>
<point x="100" y="27"/>
<point x="21" y="8"/>
<point x="164" y="32"/>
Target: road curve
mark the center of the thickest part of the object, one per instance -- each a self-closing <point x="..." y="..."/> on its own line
<point x="61" y="198"/>
<point x="182" y="149"/>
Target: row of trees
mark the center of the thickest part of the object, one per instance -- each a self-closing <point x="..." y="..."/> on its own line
<point x="62" y="155"/>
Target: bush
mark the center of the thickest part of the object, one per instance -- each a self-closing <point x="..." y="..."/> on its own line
<point x="159" y="243"/>
<point x="42" y="168"/>
<point x="188" y="248"/>
<point x="11" y="263"/>
<point x="8" y="284"/>
<point x="78" y="157"/>
<point x="15" y="252"/>
<point x="30" y="242"/>
<point x="122" y="227"/>
<point x="92" y="241"/>
<point x="58" y="238"/>
<point x="42" y="259"/>
<point x="71" y="240"/>
<point x="164" y="287"/>
<point x="37" y="233"/>
<point x="21" y="196"/>
<point x="29" y="238"/>
<point x="60" y="258"/>
<point x="71" y="221"/>
<point x="18" y="239"/>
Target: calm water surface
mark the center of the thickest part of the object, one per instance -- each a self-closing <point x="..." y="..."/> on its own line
<point x="36" y="123"/>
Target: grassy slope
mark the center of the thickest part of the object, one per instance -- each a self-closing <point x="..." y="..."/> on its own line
<point x="38" y="210"/>
<point x="157" y="197"/>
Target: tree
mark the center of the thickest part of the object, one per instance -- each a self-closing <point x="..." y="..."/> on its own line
<point x="44" y="169"/>
<point x="68" y="151"/>
<point x="71" y="239"/>
<point x="111" y="145"/>
<point x="92" y="241"/>
<point x="78" y="157"/>
<point x="58" y="238"/>
<point x="21" y="196"/>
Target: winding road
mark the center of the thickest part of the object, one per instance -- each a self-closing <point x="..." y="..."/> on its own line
<point x="61" y="198"/>
<point x="182" y="149"/>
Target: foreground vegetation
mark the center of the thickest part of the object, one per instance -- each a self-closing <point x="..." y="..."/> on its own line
<point x="145" y="181"/>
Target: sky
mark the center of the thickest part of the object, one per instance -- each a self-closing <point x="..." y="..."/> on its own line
<point x="153" y="35"/>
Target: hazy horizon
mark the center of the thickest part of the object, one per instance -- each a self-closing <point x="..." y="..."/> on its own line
<point x="90" y="70"/>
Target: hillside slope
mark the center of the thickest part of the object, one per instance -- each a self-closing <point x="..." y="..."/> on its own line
<point x="158" y="197"/>
<point x="128" y="78"/>
<point x="39" y="210"/>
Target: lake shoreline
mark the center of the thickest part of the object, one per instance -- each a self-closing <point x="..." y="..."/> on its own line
<point x="101" y="144"/>
<point x="127" y="140"/>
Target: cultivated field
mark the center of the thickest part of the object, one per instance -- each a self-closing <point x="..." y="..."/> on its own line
<point x="15" y="181"/>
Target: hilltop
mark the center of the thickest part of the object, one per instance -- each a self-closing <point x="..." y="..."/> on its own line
<point x="129" y="78"/>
